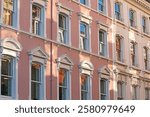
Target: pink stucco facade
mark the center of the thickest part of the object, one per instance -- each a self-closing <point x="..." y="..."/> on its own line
<point x="57" y="55"/>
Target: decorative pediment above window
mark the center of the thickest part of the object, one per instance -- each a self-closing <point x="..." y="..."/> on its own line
<point x="64" y="62"/>
<point x="38" y="55"/>
<point x="39" y="52"/>
<point x="10" y="44"/>
<point x="104" y="72"/>
<point x="86" y="67"/>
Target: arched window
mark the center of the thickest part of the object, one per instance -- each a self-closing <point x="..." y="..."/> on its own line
<point x="9" y="57"/>
<point x="86" y="71"/>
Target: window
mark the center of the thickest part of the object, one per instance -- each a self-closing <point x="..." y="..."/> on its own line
<point x="83" y="2"/>
<point x="144" y="24"/>
<point x="117" y="11"/>
<point x="104" y="89"/>
<point x="120" y="90"/>
<point x="35" y="81"/>
<point x="102" y="43"/>
<point x="63" y="84"/>
<point x="146" y="58"/>
<point x="134" y="92"/>
<point x="10" y="48"/>
<point x="133" y="53"/>
<point x="84" y="36"/>
<point x="84" y="87"/>
<point x="63" y="28"/>
<point x="10" y="12"/>
<point x="37" y="59"/>
<point x="64" y="65"/>
<point x="132" y="18"/>
<point x="36" y="19"/>
<point x="147" y="94"/>
<point x="6" y="75"/>
<point x="101" y="5"/>
<point x="118" y="49"/>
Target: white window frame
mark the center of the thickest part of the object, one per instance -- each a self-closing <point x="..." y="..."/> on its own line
<point x="67" y="12"/>
<point x="106" y="94"/>
<point x="134" y="21"/>
<point x="38" y="55"/>
<point x="39" y="83"/>
<point x="43" y="5"/>
<point x="64" y="32"/>
<point x="135" y="55"/>
<point x="64" y="62"/>
<point x="88" y="21"/>
<point x="104" y="42"/>
<point x="11" y="47"/>
<point x="135" y="94"/>
<point x="15" y="15"/>
<point x="86" y="68"/>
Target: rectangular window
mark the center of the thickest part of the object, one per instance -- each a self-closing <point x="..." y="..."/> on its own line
<point x="117" y="11"/>
<point x="84" y="36"/>
<point x="102" y="45"/>
<point x="63" y="84"/>
<point x="6" y="75"/>
<point x="8" y="12"/>
<point x="63" y="29"/>
<point x="84" y="87"/>
<point x="147" y="94"/>
<point x="134" y="92"/>
<point x="144" y="24"/>
<point x="120" y="90"/>
<point x="131" y="18"/>
<point x="104" y="87"/>
<point x="133" y="54"/>
<point x="35" y="81"/>
<point x="36" y="19"/>
<point x="146" y="58"/>
<point x="118" y="48"/>
<point x="101" y="5"/>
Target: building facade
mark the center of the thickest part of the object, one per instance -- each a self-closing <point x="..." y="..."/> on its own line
<point x="74" y="49"/>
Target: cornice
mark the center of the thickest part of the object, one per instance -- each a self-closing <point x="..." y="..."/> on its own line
<point x="143" y="3"/>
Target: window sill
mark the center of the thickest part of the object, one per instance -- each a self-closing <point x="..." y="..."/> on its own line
<point x="2" y="97"/>
<point x="120" y="21"/>
<point x="133" y="28"/>
<point x="120" y="63"/>
<point x="135" y="67"/>
<point x="15" y="29"/>
<point x="146" y="71"/>
<point x="146" y="34"/>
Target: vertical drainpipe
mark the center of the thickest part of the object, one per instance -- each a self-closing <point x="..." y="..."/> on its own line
<point x="51" y="55"/>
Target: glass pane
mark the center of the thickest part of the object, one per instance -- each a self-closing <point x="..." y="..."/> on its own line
<point x="62" y="21"/>
<point x="83" y="95"/>
<point x="103" y="97"/>
<point x="36" y="11"/>
<point x="35" y="91"/>
<point x="83" y="1"/>
<point x="36" y="72"/>
<point x="84" y="82"/>
<point x="6" y="66"/>
<point x="5" y="86"/>
<point x="62" y="93"/>
<point x="103" y="86"/>
<point x="83" y="29"/>
<point x="63" y="77"/>
<point x="7" y="18"/>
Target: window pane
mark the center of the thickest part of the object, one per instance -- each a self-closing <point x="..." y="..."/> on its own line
<point x="5" y="86"/>
<point x="100" y="5"/>
<point x="63" y="84"/>
<point x="36" y="19"/>
<point x="6" y="75"/>
<point x="8" y="12"/>
<point x="83" y="2"/>
<point x="103" y="86"/>
<point x="84" y="87"/>
<point x="35" y="81"/>
<point x="35" y="89"/>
